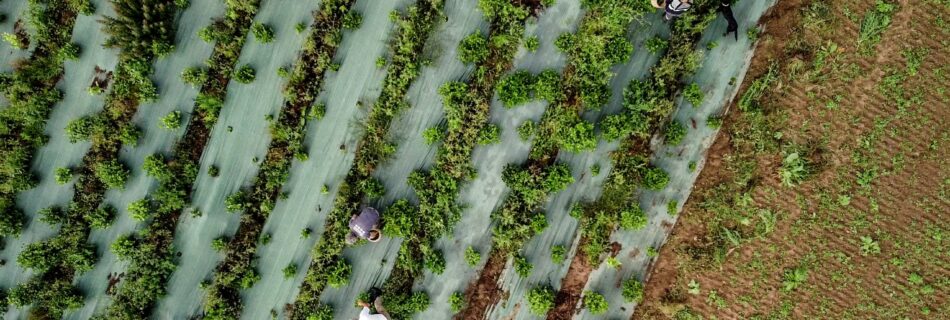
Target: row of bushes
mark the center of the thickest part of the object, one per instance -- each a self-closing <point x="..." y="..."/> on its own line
<point x="149" y="252"/>
<point x="466" y="110"/>
<point x="56" y="261"/>
<point x="236" y="271"/>
<point x="405" y="65"/>
<point x="31" y="93"/>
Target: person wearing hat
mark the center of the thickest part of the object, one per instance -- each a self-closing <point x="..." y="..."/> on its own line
<point x="672" y="8"/>
<point x="364" y="226"/>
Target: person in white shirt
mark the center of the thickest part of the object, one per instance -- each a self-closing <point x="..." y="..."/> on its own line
<point x="672" y="8"/>
<point x="381" y="313"/>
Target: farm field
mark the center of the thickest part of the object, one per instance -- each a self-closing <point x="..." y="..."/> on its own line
<point x="530" y="159"/>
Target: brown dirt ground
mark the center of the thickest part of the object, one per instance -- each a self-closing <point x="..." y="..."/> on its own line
<point x="485" y="291"/>
<point x="821" y="221"/>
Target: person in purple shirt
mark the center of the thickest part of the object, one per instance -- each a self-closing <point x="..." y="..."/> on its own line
<point x="364" y="226"/>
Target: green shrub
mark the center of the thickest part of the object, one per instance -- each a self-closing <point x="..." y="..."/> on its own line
<point x="433" y="134"/>
<point x="655" y="178"/>
<point x="434" y="261"/>
<point x="578" y="137"/>
<point x="632" y="290"/>
<point x="172" y="120"/>
<point x="633" y="218"/>
<point x="101" y="218"/>
<point x="714" y="122"/>
<point x="674" y="133"/>
<point x="245" y="74"/>
<point x="522" y="266"/>
<point x="540" y="300"/>
<point x="220" y="243"/>
<point x="69" y="51"/>
<point x="457" y="301"/>
<point x="612" y="262"/>
<point x="338" y="275"/>
<point x="290" y="270"/>
<point x="532" y="43"/>
<point x="473" y="48"/>
<point x="213" y="171"/>
<point x="194" y="76"/>
<point x="558" y="178"/>
<point x="262" y="32"/>
<point x="52" y="215"/>
<point x="236" y="201"/>
<point x="693" y="94"/>
<point x="472" y="257"/>
<point x="400" y="218"/>
<point x="63" y="175"/>
<point x="139" y="209"/>
<point x="490" y="134"/>
<point x="564" y="42"/>
<point x="373" y="188"/>
<point x="595" y="302"/>
<point x="515" y="89"/>
<point x="558" y="253"/>
<point x="305" y="233"/>
<point x="656" y="44"/>
<point x="317" y="111"/>
<point x="671" y="207"/>
<point x="300" y="27"/>
<point x="526" y="130"/>
<point x="547" y="86"/>
<point x="112" y="173"/>
<point x="352" y="20"/>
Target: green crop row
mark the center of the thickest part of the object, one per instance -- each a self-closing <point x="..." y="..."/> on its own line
<point x="647" y="104"/>
<point x="143" y="31"/>
<point x="31" y="92"/>
<point x="236" y="271"/>
<point x="437" y="190"/>
<point x="413" y="30"/>
<point x="149" y="252"/>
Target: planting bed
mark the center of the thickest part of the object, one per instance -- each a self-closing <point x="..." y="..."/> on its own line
<point x="530" y="158"/>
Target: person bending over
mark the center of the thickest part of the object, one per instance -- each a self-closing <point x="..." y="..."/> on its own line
<point x="672" y="8"/>
<point x="377" y="298"/>
<point x="364" y="226"/>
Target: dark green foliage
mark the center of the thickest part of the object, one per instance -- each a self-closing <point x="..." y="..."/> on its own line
<point x="63" y="175"/>
<point x="547" y="86"/>
<point x="194" y="76"/>
<point x="220" y="243"/>
<point x="112" y="173"/>
<point x="143" y="29"/>
<point x="655" y="178"/>
<point x="558" y="253"/>
<point x="400" y="219"/>
<point x="522" y="266"/>
<point x="434" y="261"/>
<point x="352" y="20"/>
<point x="433" y="135"/>
<point x="403" y="305"/>
<point x="532" y="43"/>
<point x="290" y="270"/>
<point x="338" y="275"/>
<point x="595" y="302"/>
<point x="656" y="44"/>
<point x="632" y="290"/>
<point x="457" y="301"/>
<point x="101" y="218"/>
<point x="245" y="74"/>
<point x="472" y="257"/>
<point x="473" y="48"/>
<point x="526" y="130"/>
<point x="693" y="94"/>
<point x="515" y="89"/>
<point x="674" y="133"/>
<point x="263" y="33"/>
<point x="540" y="300"/>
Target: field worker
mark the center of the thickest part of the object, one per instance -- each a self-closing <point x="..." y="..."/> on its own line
<point x="673" y="8"/>
<point x="381" y="313"/>
<point x="364" y="226"/>
<point x="726" y="9"/>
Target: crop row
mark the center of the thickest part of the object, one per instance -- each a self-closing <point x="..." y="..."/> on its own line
<point x="599" y="43"/>
<point x="467" y="109"/>
<point x="143" y="31"/>
<point x="31" y="92"/>
<point x="327" y="265"/>
<point x="236" y="271"/>
<point x="150" y="252"/>
<point x="647" y="105"/>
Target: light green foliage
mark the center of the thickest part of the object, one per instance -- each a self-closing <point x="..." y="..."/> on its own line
<point x="714" y="122"/>
<point x="213" y="171"/>
<point x="515" y="89"/>
<point x="794" y="278"/>
<point x="300" y="27"/>
<point x="793" y="170"/>
<point x="490" y="134"/>
<point x="63" y="175"/>
<point x="220" y="243"/>
<point x="693" y="94"/>
<point x="69" y="51"/>
<point x="526" y="130"/>
<point x="434" y="261"/>
<point x="540" y="300"/>
<point x="457" y="301"/>
<point x="433" y="134"/>
<point x="674" y="133"/>
<point x="112" y="173"/>
<point x="671" y="207"/>
<point x="172" y="120"/>
<point x="656" y="44"/>
<point x="236" y="201"/>
<point x="558" y="253"/>
<point x="532" y="43"/>
<point x="578" y="137"/>
<point x="245" y="74"/>
<point x="15" y="41"/>
<point x="101" y="218"/>
<point x="753" y="34"/>
<point x="633" y="218"/>
<point x="632" y="290"/>
<point x="381" y="62"/>
<point x="317" y="111"/>
<point x="613" y="262"/>
<point x="139" y="209"/>
<point x="547" y="86"/>
<point x="869" y="246"/>
<point x="875" y="22"/>
<point x="339" y="274"/>
<point x="522" y="266"/>
<point x="472" y="257"/>
<point x="263" y="33"/>
<point x="473" y="48"/>
<point x="305" y="233"/>
<point x="595" y="302"/>
<point x="655" y="178"/>
<point x="400" y="219"/>
<point x="194" y="76"/>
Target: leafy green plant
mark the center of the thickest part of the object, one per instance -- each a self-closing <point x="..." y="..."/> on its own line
<point x="433" y="134"/>
<point x="875" y="22"/>
<point x="526" y="130"/>
<point x="472" y="257"/>
<point x="63" y="175"/>
<point x="540" y="300"/>
<point x="112" y="173"/>
<point x="245" y="74"/>
<point x="612" y="262"/>
<point x="290" y="270"/>
<point x="671" y="207"/>
<point x="139" y="209"/>
<point x="633" y="218"/>
<point x="595" y="302"/>
<point x="339" y="274"/>
<point x="869" y="246"/>
<point x="558" y="253"/>
<point x="473" y="48"/>
<point x="515" y="89"/>
<point x="532" y="43"/>
<point x="522" y="266"/>
<point x="220" y="243"/>
<point x="213" y="171"/>
<point x="674" y="133"/>
<point x="263" y="33"/>
<point x="656" y="44"/>
<point x="632" y="290"/>
<point x="172" y="120"/>
<point x="655" y="178"/>
<point x="793" y="170"/>
<point x="693" y="94"/>
<point x="490" y="134"/>
<point x="794" y="278"/>
<point x="456" y="301"/>
<point x="352" y="20"/>
<point x="547" y="86"/>
<point x="194" y="76"/>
